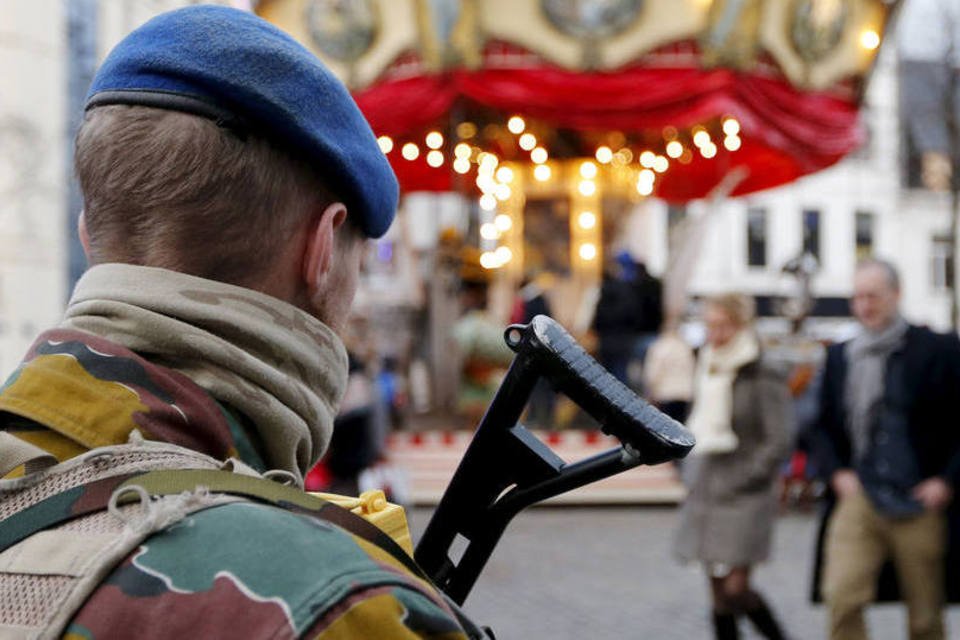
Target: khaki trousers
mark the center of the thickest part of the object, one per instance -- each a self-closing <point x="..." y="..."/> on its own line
<point x="859" y="540"/>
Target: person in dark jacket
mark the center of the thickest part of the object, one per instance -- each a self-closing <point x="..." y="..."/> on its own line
<point x="888" y="445"/>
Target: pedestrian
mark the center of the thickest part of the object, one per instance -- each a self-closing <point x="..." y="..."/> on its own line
<point x="668" y="373"/>
<point x="229" y="185"/>
<point x="887" y="445"/>
<point x="741" y="417"/>
<point x="614" y="322"/>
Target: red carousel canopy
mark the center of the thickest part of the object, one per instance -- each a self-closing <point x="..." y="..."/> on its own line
<point x="630" y="74"/>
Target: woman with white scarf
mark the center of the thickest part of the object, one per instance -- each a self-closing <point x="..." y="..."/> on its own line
<point x="741" y="418"/>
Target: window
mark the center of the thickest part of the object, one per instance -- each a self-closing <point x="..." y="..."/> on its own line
<point x="811" y="233"/>
<point x="941" y="263"/>
<point x="863" y="234"/>
<point x="756" y="237"/>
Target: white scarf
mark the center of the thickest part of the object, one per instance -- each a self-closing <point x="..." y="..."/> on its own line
<point x="279" y="366"/>
<point x="711" y="418"/>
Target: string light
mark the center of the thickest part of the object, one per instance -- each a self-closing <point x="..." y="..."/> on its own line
<point x="487" y="161"/>
<point x="542" y="173"/>
<point x="674" y="149"/>
<point x="386" y="144"/>
<point x="588" y="251"/>
<point x="731" y="126"/>
<point x="539" y="155"/>
<point x="461" y="165"/>
<point x="647" y="158"/>
<point x="646" y="176"/>
<point x="588" y="188"/>
<point x="626" y="154"/>
<point x="645" y="188"/>
<point x="502" y="192"/>
<point x="435" y="158"/>
<point x="434" y="139"/>
<point x="410" y="151"/>
<point x="587" y="220"/>
<point x="489" y="231"/>
<point x="869" y="39"/>
<point x="486" y="183"/>
<point x="588" y="170"/>
<point x="503" y="222"/>
<point x="604" y="154"/>
<point x="516" y="125"/>
<point x="701" y="138"/>
<point x="488" y="202"/>
<point x="462" y="150"/>
<point x="466" y="130"/>
<point x="505" y="175"/>
<point x="661" y="164"/>
<point x="503" y="255"/>
<point x="708" y="150"/>
<point x="528" y="141"/>
<point x="686" y="157"/>
<point x="732" y="143"/>
<point x="488" y="260"/>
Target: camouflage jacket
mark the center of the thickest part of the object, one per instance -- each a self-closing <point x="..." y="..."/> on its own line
<point x="239" y="570"/>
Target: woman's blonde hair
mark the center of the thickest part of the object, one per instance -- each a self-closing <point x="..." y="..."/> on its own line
<point x="741" y="307"/>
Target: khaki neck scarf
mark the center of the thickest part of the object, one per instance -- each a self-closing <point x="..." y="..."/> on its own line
<point x="282" y="368"/>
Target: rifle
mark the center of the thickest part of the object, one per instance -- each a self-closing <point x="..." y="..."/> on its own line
<point x="506" y="468"/>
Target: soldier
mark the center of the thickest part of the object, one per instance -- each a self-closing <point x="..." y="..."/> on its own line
<point x="229" y="184"/>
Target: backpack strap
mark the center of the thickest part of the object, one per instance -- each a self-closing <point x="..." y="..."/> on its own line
<point x="96" y="496"/>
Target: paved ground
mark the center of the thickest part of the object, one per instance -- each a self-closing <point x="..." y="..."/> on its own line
<point x="607" y="573"/>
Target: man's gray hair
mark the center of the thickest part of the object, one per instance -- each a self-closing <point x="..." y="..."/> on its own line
<point x="893" y="276"/>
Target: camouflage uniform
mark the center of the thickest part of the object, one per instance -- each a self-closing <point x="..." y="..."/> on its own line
<point x="235" y="570"/>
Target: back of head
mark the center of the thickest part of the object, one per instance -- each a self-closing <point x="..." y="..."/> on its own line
<point x="209" y="136"/>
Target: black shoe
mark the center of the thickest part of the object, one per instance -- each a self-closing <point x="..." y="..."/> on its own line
<point x="762" y="618"/>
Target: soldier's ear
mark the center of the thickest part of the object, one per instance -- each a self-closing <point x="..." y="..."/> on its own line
<point x="84" y="236"/>
<point x="318" y="253"/>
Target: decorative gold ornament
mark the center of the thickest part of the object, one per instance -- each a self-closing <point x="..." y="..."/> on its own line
<point x="342" y="29"/>
<point x="817" y="27"/>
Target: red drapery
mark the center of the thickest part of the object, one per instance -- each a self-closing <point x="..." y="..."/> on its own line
<point x="786" y="133"/>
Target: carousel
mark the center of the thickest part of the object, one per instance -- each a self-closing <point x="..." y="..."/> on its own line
<point x="555" y="121"/>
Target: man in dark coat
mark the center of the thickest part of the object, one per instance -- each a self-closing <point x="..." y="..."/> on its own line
<point x="888" y="445"/>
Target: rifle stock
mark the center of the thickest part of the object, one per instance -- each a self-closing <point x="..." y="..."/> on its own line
<point x="506" y="468"/>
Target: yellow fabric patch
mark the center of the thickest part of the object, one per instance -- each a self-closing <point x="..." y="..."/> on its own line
<point x="56" y="391"/>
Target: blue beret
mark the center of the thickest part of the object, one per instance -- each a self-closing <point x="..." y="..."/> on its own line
<point x="238" y="69"/>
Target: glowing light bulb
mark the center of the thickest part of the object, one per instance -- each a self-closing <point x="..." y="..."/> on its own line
<point x="647" y="158"/>
<point x="528" y="141"/>
<point x="462" y="150"/>
<point x="661" y="164"/>
<point x="505" y="175"/>
<point x="488" y="260"/>
<point x="386" y="144"/>
<point x="539" y="155"/>
<point x="434" y="139"/>
<point x="588" y="251"/>
<point x="604" y="155"/>
<point x="503" y="222"/>
<point x="701" y="138"/>
<point x="645" y="188"/>
<point x="732" y="143"/>
<point x="588" y="170"/>
<point x="516" y="125"/>
<point x="731" y="126"/>
<point x="461" y="165"/>
<point x="587" y="220"/>
<point x="869" y="39"/>
<point x="708" y="151"/>
<point x="410" y="151"/>
<point x="542" y="173"/>
<point x="489" y="231"/>
<point x="488" y="162"/>
<point x="486" y="183"/>
<point x="435" y="158"/>
<point x="587" y="187"/>
<point x="674" y="149"/>
<point x="503" y="255"/>
<point x="646" y="175"/>
<point x="502" y="192"/>
<point x="488" y="202"/>
<point x="466" y="130"/>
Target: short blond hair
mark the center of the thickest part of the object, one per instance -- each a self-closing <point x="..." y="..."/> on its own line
<point x="741" y="308"/>
<point x="167" y="189"/>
